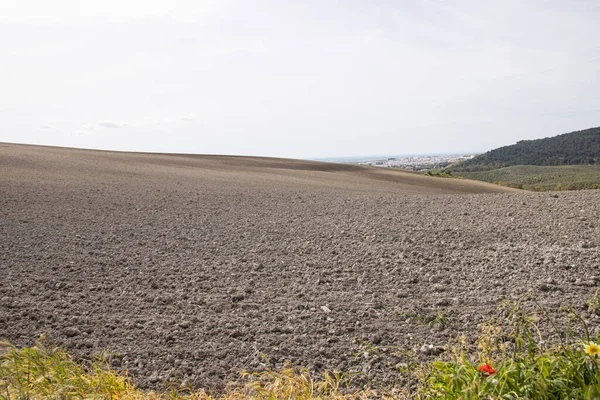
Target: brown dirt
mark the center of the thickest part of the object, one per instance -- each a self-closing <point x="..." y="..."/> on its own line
<point x="204" y="264"/>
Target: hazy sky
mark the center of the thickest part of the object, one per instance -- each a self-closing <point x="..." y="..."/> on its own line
<point x="297" y="78"/>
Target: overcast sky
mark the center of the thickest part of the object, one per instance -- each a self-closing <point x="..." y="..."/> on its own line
<point x="302" y="79"/>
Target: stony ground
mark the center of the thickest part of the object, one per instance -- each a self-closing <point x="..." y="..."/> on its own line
<point x="197" y="267"/>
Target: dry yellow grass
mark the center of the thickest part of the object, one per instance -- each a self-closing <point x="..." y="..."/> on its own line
<point x="45" y="372"/>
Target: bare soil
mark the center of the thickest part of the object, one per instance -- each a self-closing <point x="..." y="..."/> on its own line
<point x="198" y="266"/>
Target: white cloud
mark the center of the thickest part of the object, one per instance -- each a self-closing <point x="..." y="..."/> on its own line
<point x="61" y="10"/>
<point x="110" y="125"/>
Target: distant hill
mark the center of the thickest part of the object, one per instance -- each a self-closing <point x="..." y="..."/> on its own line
<point x="575" y="148"/>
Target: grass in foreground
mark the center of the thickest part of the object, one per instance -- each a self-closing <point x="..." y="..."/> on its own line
<point x="510" y="360"/>
<point x="45" y="372"/>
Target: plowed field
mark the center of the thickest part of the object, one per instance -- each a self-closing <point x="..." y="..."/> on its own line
<point x="197" y="266"/>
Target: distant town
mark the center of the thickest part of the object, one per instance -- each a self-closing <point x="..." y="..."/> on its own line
<point x="419" y="163"/>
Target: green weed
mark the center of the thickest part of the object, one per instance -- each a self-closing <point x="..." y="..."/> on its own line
<point x="512" y="360"/>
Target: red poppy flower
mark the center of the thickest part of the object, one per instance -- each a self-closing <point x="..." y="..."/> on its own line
<point x="486" y="369"/>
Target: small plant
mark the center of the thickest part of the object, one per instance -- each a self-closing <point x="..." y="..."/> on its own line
<point x="441" y="319"/>
<point x="415" y="316"/>
<point x="594" y="303"/>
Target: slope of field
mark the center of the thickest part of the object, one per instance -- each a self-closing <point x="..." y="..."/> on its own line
<point x="22" y="163"/>
<point x="538" y="177"/>
<point x="195" y="266"/>
<point x="575" y="148"/>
